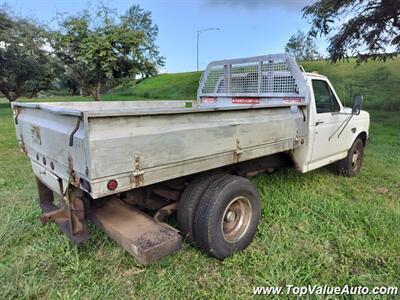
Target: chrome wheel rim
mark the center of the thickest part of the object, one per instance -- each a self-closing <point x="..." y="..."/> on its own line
<point x="236" y="219"/>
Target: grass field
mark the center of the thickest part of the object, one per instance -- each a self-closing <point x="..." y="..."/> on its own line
<point x="316" y="228"/>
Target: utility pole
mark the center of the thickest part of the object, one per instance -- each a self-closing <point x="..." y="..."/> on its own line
<point x="200" y="31"/>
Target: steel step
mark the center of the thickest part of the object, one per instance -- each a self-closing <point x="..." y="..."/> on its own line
<point x="146" y="239"/>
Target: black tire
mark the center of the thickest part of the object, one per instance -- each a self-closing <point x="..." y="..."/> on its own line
<point x="214" y="233"/>
<point x="351" y="165"/>
<point x="188" y="203"/>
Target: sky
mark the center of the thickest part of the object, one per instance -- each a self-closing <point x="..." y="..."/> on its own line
<point x="246" y="27"/>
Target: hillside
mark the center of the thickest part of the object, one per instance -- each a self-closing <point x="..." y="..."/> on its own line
<point x="379" y="82"/>
<point x="177" y="86"/>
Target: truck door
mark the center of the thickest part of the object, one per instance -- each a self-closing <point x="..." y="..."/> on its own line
<point x="327" y="146"/>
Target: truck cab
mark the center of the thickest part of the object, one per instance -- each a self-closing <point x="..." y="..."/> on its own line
<point x="333" y="128"/>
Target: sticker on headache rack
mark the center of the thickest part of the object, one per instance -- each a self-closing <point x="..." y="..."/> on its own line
<point x="246" y="100"/>
<point x="292" y="100"/>
<point x="208" y="100"/>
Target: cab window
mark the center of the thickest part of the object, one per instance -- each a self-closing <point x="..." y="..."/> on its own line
<point x="325" y="100"/>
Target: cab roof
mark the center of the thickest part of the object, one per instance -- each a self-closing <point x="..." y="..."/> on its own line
<point x="312" y="74"/>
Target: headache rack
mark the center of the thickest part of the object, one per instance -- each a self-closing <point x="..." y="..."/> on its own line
<point x="261" y="81"/>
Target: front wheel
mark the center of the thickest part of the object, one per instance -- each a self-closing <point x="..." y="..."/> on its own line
<point x="351" y="165"/>
<point x="227" y="216"/>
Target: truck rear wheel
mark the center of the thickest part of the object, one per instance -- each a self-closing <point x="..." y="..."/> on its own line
<point x="351" y="165"/>
<point x="227" y="216"/>
<point x="188" y="203"/>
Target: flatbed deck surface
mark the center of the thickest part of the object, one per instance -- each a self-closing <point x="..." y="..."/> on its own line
<point x="128" y="108"/>
<point x="107" y="107"/>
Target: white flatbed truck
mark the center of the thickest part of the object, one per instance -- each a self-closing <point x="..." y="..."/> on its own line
<point x="108" y="162"/>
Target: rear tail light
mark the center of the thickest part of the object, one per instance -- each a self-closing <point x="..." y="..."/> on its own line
<point x="112" y="185"/>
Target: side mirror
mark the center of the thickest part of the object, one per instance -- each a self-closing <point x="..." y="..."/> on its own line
<point x="356" y="109"/>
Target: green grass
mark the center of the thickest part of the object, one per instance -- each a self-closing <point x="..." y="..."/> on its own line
<point x="378" y="82"/>
<point x="178" y="86"/>
<point x="316" y="228"/>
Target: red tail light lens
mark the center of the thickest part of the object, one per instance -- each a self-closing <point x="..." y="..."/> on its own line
<point x="112" y="184"/>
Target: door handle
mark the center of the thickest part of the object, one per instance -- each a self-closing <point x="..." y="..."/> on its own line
<point x="318" y="122"/>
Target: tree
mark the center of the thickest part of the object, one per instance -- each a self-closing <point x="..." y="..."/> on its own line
<point x="104" y="49"/>
<point x="44" y="76"/>
<point x="25" y="65"/>
<point x="364" y="28"/>
<point x="302" y="47"/>
<point x="68" y="81"/>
